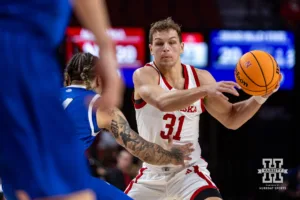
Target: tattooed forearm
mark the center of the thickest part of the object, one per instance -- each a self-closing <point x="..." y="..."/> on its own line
<point x="126" y="139"/>
<point x="146" y="151"/>
<point x="114" y="128"/>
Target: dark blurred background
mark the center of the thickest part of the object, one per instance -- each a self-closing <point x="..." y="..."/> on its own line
<point x="234" y="157"/>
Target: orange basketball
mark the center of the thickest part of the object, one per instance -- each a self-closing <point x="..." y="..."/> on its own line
<point x="257" y="73"/>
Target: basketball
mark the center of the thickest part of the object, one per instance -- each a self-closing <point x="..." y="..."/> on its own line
<point x="257" y="72"/>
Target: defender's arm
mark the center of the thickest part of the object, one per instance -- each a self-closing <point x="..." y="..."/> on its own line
<point x="136" y="145"/>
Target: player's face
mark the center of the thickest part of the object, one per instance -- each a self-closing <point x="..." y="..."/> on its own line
<point x="166" y="48"/>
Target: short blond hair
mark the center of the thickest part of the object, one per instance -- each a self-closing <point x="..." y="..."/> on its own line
<point x="164" y="25"/>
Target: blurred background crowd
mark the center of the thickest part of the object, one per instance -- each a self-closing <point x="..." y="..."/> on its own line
<point x="216" y="33"/>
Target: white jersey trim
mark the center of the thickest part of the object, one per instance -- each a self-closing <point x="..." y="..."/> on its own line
<point x="90" y="112"/>
<point x="77" y="86"/>
<point x="67" y="102"/>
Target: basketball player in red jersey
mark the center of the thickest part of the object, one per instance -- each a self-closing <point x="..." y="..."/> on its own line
<point x="169" y="98"/>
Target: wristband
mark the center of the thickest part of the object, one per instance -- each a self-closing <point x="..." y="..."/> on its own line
<point x="260" y="99"/>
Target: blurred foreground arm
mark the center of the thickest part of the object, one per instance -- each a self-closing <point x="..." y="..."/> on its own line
<point x="93" y="15"/>
<point x="82" y="195"/>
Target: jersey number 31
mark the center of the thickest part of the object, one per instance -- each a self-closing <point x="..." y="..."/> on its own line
<point x="170" y="126"/>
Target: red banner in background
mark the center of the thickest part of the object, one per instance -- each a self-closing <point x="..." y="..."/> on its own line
<point x="130" y="44"/>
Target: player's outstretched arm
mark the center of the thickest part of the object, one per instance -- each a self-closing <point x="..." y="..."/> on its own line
<point x="139" y="147"/>
<point x="146" y="86"/>
<point x="230" y="115"/>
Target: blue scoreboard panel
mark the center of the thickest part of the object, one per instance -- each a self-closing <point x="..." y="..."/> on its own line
<point x="227" y="46"/>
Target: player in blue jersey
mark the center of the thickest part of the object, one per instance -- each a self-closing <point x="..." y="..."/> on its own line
<point x="78" y="101"/>
<point x="38" y="153"/>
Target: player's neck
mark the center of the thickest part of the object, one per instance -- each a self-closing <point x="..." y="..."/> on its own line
<point x="78" y="83"/>
<point x="172" y="73"/>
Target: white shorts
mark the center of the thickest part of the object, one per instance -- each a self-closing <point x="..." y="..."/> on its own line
<point x="179" y="185"/>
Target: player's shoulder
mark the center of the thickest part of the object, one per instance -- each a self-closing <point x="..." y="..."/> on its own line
<point x="204" y="76"/>
<point x="145" y="73"/>
<point x="65" y="90"/>
<point x="68" y="90"/>
<point x="76" y="92"/>
<point x="202" y="72"/>
<point x="146" y="69"/>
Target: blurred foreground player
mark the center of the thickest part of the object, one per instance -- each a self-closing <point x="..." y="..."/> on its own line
<point x="169" y="99"/>
<point x="81" y="80"/>
<point x="82" y="195"/>
<point x="36" y="132"/>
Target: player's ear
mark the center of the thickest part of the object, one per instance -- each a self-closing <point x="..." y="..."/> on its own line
<point x="150" y="48"/>
<point x="67" y="80"/>
<point x="98" y="81"/>
<point x="181" y="47"/>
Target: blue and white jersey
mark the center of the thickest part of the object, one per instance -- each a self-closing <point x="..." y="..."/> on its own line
<point x="78" y="103"/>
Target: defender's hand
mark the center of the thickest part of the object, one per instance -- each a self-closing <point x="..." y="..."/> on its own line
<point x="180" y="152"/>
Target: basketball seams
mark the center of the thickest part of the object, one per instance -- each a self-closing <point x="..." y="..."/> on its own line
<point x="247" y="78"/>
<point x="273" y="69"/>
<point x="261" y="90"/>
<point x="262" y="72"/>
<point x="240" y="65"/>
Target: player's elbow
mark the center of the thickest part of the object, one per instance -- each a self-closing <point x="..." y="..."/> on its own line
<point x="230" y="120"/>
<point x="163" y="103"/>
<point x="231" y="124"/>
<point x="161" y="106"/>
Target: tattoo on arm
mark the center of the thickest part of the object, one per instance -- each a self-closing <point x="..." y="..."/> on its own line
<point x="139" y="147"/>
<point x="114" y="128"/>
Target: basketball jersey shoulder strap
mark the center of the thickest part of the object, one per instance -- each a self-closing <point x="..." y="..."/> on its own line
<point x="151" y="64"/>
<point x="194" y="75"/>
